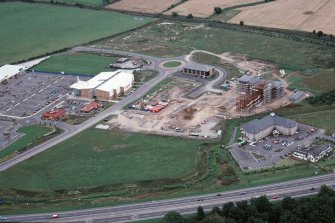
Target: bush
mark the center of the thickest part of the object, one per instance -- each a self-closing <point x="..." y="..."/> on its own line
<point x="174" y="14"/>
<point x="217" y="10"/>
<point x="190" y="16"/>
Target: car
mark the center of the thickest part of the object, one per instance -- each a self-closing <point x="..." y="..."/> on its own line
<point x="275" y="197"/>
<point x="219" y="195"/>
<point x="200" y="199"/>
<point x="242" y="193"/>
<point x="3" y="218"/>
<point x="312" y="188"/>
<point x="55" y="216"/>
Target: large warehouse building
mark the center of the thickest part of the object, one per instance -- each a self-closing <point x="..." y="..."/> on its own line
<point x="105" y="86"/>
<point x="7" y="71"/>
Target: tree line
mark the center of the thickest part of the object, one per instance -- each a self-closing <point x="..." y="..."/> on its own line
<point x="326" y="98"/>
<point x="315" y="209"/>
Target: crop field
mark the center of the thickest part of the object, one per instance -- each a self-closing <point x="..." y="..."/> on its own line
<point x="304" y="15"/>
<point x="78" y="63"/>
<point x="144" y="6"/>
<point x="99" y="157"/>
<point x="73" y="2"/>
<point x="31" y="133"/>
<point x="29" y="30"/>
<point x="200" y="8"/>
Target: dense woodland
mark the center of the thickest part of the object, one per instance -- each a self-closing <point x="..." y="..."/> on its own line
<point x="327" y="98"/>
<point x="315" y="209"/>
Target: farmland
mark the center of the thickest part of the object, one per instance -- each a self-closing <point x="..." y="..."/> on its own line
<point x="200" y="8"/>
<point x="286" y="14"/>
<point x="78" y="63"/>
<point x="143" y="6"/>
<point x="95" y="3"/>
<point x="30" y="30"/>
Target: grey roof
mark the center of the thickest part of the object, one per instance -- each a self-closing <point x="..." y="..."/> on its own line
<point x="318" y="150"/>
<point x="258" y="125"/>
<point x="197" y="66"/>
<point x="301" y="151"/>
<point x="276" y="84"/>
<point x="247" y="79"/>
<point x="297" y="95"/>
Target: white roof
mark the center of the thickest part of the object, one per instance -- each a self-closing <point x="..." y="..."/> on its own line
<point x="7" y="71"/>
<point x="94" y="81"/>
<point x="121" y="79"/>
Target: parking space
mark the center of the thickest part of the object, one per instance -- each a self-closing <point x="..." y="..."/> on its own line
<point x="267" y="152"/>
<point x="8" y="134"/>
<point x="28" y="93"/>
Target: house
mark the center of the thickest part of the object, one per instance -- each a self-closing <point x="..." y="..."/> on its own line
<point x="54" y="115"/>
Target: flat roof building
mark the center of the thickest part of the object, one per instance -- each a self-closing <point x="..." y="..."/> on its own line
<point x="297" y="96"/>
<point x="7" y="71"/>
<point x="105" y="85"/>
<point x="199" y="70"/>
<point x="260" y="128"/>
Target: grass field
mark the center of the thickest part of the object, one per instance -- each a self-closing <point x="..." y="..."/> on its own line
<point x="78" y="63"/>
<point x="29" y="30"/>
<point x="31" y="133"/>
<point x="114" y="157"/>
<point x="73" y="2"/>
<point x="172" y="64"/>
<point x="181" y="38"/>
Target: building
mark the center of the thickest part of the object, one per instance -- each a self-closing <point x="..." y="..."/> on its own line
<point x="199" y="70"/>
<point x="54" y="115"/>
<point x="260" y="128"/>
<point x="90" y="107"/>
<point x="105" y="86"/>
<point x="312" y="153"/>
<point x="297" y="96"/>
<point x="7" y="71"/>
<point x="254" y="92"/>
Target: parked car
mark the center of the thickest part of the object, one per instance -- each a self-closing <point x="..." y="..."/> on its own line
<point x="275" y="197"/>
<point x="55" y="216"/>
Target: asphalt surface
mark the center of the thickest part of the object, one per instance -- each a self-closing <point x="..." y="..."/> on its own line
<point x="156" y="209"/>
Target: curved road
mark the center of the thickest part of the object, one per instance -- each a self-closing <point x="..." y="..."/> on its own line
<point x="156" y="209"/>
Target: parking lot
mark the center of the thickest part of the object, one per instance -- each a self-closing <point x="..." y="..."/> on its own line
<point x="8" y="134"/>
<point x="270" y="150"/>
<point x="28" y="93"/>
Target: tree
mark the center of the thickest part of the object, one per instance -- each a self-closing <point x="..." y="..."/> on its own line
<point x="288" y="203"/>
<point x="216" y="210"/>
<point x="214" y="218"/>
<point x="190" y="16"/>
<point x="262" y="204"/>
<point x="200" y="213"/>
<point x="173" y="217"/>
<point x="326" y="191"/>
<point x="241" y="23"/>
<point x="217" y="10"/>
<point x="314" y="32"/>
<point x="320" y="33"/>
<point x="174" y="14"/>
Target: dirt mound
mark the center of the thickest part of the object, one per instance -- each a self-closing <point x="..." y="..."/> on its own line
<point x="188" y="113"/>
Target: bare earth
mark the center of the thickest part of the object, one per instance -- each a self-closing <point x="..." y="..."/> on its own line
<point x="304" y="15"/>
<point x="145" y="6"/>
<point x="186" y="117"/>
<point x="205" y="8"/>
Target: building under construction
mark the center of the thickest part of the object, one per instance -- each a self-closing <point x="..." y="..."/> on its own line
<point x="254" y="92"/>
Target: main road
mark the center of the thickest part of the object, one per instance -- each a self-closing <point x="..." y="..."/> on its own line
<point x="156" y="209"/>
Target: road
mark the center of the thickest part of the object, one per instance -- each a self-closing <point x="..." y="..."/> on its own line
<point x="156" y="209"/>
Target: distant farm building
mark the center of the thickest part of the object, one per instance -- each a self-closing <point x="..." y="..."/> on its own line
<point x="7" y="71"/>
<point x="199" y="70"/>
<point x="104" y="86"/>
<point x="54" y="115"/>
<point x="259" y="128"/>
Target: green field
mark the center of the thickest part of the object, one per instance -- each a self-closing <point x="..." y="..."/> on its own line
<point x="172" y="64"/>
<point x="73" y="2"/>
<point x="78" y="63"/>
<point x="114" y="157"/>
<point x="29" y="30"/>
<point x="31" y="134"/>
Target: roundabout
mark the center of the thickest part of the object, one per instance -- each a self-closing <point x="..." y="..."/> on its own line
<point x="172" y="64"/>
